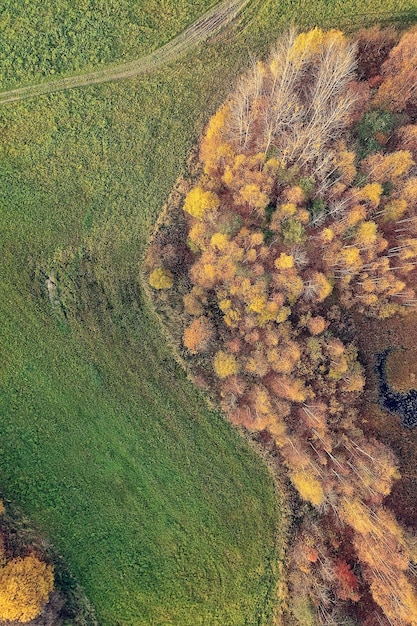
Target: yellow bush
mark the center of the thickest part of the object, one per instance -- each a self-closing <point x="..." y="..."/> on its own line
<point x="308" y="487"/>
<point x="197" y="235"/>
<point x="284" y="261"/>
<point x="322" y="285"/>
<point x="212" y="147"/>
<point x="366" y="233"/>
<point x="288" y="209"/>
<point x="258" y="303"/>
<point x="254" y="196"/>
<point x="161" y="278"/>
<point x="198" y="201"/>
<point x="232" y="318"/>
<point x="371" y="193"/>
<point x="219" y="241"/>
<point x="225" y="364"/>
<point x="306" y="44"/>
<point x="394" y="210"/>
<point x="351" y="257"/>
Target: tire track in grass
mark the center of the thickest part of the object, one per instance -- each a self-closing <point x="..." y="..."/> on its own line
<point x="203" y="28"/>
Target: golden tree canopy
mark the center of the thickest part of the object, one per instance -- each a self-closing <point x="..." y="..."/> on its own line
<point x="25" y="584"/>
<point x="198" y="201"/>
<point x="225" y="364"/>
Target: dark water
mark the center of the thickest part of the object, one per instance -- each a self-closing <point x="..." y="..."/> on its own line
<point x="403" y="404"/>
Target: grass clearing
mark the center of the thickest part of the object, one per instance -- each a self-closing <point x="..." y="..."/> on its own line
<point x="206" y="26"/>
<point x="144" y="494"/>
<point x="161" y="510"/>
<point x="150" y="499"/>
<point x="42" y="40"/>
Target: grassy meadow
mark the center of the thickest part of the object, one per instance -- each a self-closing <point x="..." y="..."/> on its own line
<point x="160" y="509"/>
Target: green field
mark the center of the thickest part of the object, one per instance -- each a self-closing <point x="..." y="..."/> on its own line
<point x="159" y="507"/>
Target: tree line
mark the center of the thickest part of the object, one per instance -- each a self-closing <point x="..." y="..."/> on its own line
<point x="302" y="211"/>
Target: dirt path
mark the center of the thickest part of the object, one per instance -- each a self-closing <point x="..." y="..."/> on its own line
<point x="206" y="26"/>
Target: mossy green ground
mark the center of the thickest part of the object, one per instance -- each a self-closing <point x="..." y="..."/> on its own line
<point x="160" y="509"/>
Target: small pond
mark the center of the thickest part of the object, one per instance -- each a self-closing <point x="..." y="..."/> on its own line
<point x="403" y="404"/>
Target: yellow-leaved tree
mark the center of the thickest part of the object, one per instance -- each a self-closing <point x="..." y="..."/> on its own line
<point x="198" y="201"/>
<point x="25" y="584"/>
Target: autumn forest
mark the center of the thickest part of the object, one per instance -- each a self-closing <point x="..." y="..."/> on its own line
<point x="298" y="219"/>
